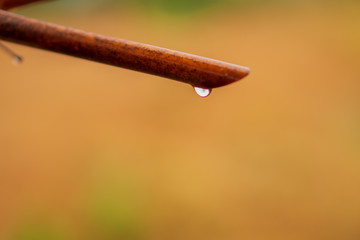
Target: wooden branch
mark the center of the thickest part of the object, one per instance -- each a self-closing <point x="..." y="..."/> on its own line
<point x="194" y="70"/>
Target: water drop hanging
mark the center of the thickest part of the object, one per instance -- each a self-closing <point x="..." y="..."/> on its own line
<point x="202" y="92"/>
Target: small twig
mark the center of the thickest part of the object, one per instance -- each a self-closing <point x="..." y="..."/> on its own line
<point x="16" y="58"/>
<point x="194" y="70"/>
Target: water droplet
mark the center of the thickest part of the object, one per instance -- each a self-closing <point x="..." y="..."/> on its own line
<point x="16" y="60"/>
<point x="202" y="92"/>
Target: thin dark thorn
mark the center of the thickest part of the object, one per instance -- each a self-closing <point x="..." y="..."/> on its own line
<point x="15" y="57"/>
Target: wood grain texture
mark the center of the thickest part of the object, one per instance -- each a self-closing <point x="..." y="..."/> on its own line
<point x="194" y="70"/>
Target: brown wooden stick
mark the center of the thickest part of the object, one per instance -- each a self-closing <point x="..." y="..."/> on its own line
<point x="194" y="70"/>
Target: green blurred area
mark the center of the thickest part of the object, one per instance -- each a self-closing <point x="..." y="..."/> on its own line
<point x="175" y="7"/>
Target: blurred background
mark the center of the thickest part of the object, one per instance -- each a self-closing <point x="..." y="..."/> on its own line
<point x="90" y="151"/>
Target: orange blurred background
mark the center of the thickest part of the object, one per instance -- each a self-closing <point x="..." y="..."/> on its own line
<point x="90" y="151"/>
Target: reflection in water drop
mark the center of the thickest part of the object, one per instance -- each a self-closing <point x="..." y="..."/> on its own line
<point x="202" y="92"/>
<point x="16" y="60"/>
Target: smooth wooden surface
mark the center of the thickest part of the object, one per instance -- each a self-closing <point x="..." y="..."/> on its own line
<point x="194" y="70"/>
